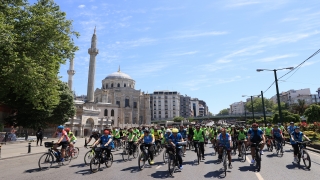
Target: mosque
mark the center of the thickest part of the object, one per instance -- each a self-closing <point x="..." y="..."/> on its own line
<point x="117" y="103"/>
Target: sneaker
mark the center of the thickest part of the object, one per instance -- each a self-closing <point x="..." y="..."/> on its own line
<point x="62" y="160"/>
<point x="151" y="162"/>
<point x="239" y="155"/>
<point x="252" y="161"/>
<point x="261" y="152"/>
<point x="230" y="166"/>
<point x="203" y="158"/>
<point x="181" y="167"/>
<point x="184" y="153"/>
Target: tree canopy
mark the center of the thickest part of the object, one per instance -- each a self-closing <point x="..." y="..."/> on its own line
<point x="224" y="112"/>
<point x="257" y="105"/>
<point x="178" y="119"/>
<point x="312" y="113"/>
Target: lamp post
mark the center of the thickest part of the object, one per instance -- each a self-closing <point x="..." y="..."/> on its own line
<point x="251" y="106"/>
<point x="277" y="88"/>
<point x="264" y="111"/>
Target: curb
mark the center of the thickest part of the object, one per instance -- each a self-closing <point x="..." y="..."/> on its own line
<point x="12" y="157"/>
<point x="308" y="148"/>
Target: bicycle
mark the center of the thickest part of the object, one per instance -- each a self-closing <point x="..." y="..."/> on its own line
<point x="243" y="152"/>
<point x="173" y="159"/>
<point x="235" y="147"/>
<point x="303" y="154"/>
<point x="190" y="145"/>
<point x="100" y="158"/>
<point x="89" y="155"/>
<point x="143" y="157"/>
<point x="165" y="156"/>
<point x="128" y="151"/>
<point x="225" y="160"/>
<point x="74" y="153"/>
<point x="279" y="149"/>
<point x="257" y="157"/>
<point x="269" y="144"/>
<point x="196" y="146"/>
<point x="51" y="157"/>
<point x="158" y="147"/>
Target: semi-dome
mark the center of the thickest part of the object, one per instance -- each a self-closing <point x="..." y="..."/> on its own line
<point x="118" y="75"/>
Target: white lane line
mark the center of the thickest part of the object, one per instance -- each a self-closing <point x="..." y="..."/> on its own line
<point x="158" y="167"/>
<point x="257" y="174"/>
<point x="313" y="153"/>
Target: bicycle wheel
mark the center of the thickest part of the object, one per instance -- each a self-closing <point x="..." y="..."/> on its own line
<point x="95" y="164"/>
<point x="271" y="146"/>
<point x="67" y="159"/>
<point x="243" y="153"/>
<point x="158" y="149"/>
<point x="225" y="163"/>
<point x="306" y="159"/>
<point x="198" y="154"/>
<point x="88" y="156"/>
<point x="171" y="164"/>
<point x="258" y="161"/>
<point x="165" y="157"/>
<point x="75" y="153"/>
<point x="45" y="161"/>
<point x="109" y="162"/>
<point x="136" y="153"/>
<point x="125" y="155"/>
<point x="141" y="161"/>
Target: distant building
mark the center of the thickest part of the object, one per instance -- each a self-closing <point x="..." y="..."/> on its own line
<point x="185" y="106"/>
<point x="237" y="108"/>
<point x="292" y="96"/>
<point x="165" y="105"/>
<point x="204" y="107"/>
<point x="195" y="106"/>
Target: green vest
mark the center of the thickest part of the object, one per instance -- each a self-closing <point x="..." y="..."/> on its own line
<point x="198" y="135"/>
<point x="268" y="131"/>
<point x="242" y="135"/>
<point x="73" y="138"/>
<point x="132" y="134"/>
<point x="114" y="132"/>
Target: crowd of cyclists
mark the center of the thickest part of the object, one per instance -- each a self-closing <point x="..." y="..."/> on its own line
<point x="230" y="137"/>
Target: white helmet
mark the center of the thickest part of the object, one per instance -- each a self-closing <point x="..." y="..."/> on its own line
<point x="94" y="130"/>
<point x="168" y="131"/>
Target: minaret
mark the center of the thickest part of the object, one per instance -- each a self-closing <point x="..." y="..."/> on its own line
<point x="93" y="51"/>
<point x="71" y="72"/>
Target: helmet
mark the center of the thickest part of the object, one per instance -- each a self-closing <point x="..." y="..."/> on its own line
<point x="67" y="129"/>
<point x="269" y="124"/>
<point x="291" y="122"/>
<point x="232" y="126"/>
<point x="241" y="127"/>
<point x="297" y="127"/>
<point x="275" y="125"/>
<point x="94" y="130"/>
<point x="146" y="131"/>
<point x="175" y="130"/>
<point x="60" y="127"/>
<point x="168" y="131"/>
<point x="279" y="124"/>
<point x="197" y="125"/>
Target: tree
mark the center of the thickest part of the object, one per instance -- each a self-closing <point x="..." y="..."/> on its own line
<point x="29" y="117"/>
<point x="312" y="113"/>
<point x="286" y="117"/>
<point x="34" y="41"/>
<point x="224" y="112"/>
<point x="299" y="107"/>
<point x="257" y="105"/>
<point x="178" y="119"/>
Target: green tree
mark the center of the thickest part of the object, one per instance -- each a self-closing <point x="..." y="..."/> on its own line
<point x="286" y="117"/>
<point x="34" y="41"/>
<point x="257" y="105"/>
<point x="299" y="107"/>
<point x="29" y="117"/>
<point x="312" y="113"/>
<point x="224" y="112"/>
<point x="178" y="119"/>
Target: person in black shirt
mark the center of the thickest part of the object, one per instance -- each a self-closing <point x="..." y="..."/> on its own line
<point x="39" y="135"/>
<point x="95" y="134"/>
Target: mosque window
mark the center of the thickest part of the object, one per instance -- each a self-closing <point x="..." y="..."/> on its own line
<point x="112" y="113"/>
<point x="118" y="103"/>
<point x="125" y="85"/>
<point x="112" y="85"/>
<point x="127" y="102"/>
<point x="134" y="104"/>
<point x="106" y="86"/>
<point x="106" y="112"/>
<point x="118" y="84"/>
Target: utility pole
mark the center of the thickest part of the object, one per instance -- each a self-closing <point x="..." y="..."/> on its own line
<point x="264" y="111"/>
<point x="252" y="110"/>
<point x="278" y="95"/>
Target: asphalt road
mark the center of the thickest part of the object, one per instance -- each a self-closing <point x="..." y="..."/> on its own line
<point x="273" y="167"/>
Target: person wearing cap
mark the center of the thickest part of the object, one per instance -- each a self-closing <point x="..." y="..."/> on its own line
<point x="63" y="141"/>
<point x="295" y="136"/>
<point x="242" y="134"/>
<point x="148" y="141"/>
<point x="291" y="128"/>
<point x="157" y="135"/>
<point x="277" y="134"/>
<point x="224" y="140"/>
<point x="174" y="139"/>
<point x="213" y="134"/>
<point x="106" y="142"/>
<point x="256" y="135"/>
<point x="132" y="140"/>
<point x="199" y="136"/>
<point x="95" y="135"/>
<point x="234" y="134"/>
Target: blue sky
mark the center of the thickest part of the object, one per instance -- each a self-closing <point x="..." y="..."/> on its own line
<point x="209" y="49"/>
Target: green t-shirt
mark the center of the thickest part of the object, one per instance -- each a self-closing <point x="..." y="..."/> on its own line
<point x="268" y="131"/>
<point x="71" y="136"/>
<point x="135" y="138"/>
<point x="114" y="132"/>
<point x="198" y="135"/>
<point x="242" y="135"/>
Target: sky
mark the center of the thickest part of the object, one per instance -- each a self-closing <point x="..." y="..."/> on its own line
<point x="208" y="49"/>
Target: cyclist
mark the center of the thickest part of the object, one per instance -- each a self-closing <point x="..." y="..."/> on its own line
<point x="291" y="128"/>
<point x="132" y="140"/>
<point x="213" y="135"/>
<point x="72" y="138"/>
<point x="95" y="134"/>
<point x="234" y="135"/>
<point x="106" y="142"/>
<point x="157" y="135"/>
<point x="174" y="139"/>
<point x="256" y="136"/>
<point x="148" y="141"/>
<point x="268" y="134"/>
<point x="277" y="134"/>
<point x="199" y="136"/>
<point x="190" y="132"/>
<point x="242" y="137"/>
<point x="183" y="133"/>
<point x="63" y="141"/>
<point x="116" y="136"/>
<point x="297" y="135"/>
<point x="224" y="139"/>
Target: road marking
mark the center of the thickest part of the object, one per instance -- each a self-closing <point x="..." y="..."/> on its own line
<point x="158" y="167"/>
<point x="313" y="153"/>
<point x="257" y="174"/>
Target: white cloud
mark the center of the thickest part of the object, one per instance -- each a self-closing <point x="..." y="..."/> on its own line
<point x="201" y="34"/>
<point x="288" y="38"/>
<point x="222" y="61"/>
<point x="81" y="6"/>
<point x="167" y="8"/>
<point x="290" y="19"/>
<point x="185" y="53"/>
<point x="126" y="18"/>
<point x="274" y="58"/>
<point x="94" y="7"/>
<point x="239" y="3"/>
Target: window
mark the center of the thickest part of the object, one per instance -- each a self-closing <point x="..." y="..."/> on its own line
<point x="126" y="102"/>
<point x="112" y="85"/>
<point x="106" y="112"/>
<point x="112" y="113"/>
<point x="166" y="116"/>
<point x="125" y="85"/>
<point x="118" y="103"/>
<point x="118" y="84"/>
<point x="159" y="112"/>
<point x="106" y="86"/>
<point x="135" y="105"/>
<point x="155" y="116"/>
<point x="159" y="116"/>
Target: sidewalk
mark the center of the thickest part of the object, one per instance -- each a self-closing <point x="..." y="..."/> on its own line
<point x="21" y="149"/>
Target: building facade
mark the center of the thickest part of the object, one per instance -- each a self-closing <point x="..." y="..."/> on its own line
<point x="165" y="105"/>
<point x="237" y="108"/>
<point x="185" y="106"/>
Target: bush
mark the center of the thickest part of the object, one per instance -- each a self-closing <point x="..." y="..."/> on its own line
<point x="310" y="134"/>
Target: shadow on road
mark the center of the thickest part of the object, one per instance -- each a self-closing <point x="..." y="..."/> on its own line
<point x="131" y="169"/>
<point x="35" y="170"/>
<point x="78" y="165"/>
<point x="296" y="166"/>
<point x="212" y="162"/>
<point x="271" y="155"/>
<point x="161" y="175"/>
<point x="247" y="168"/>
<point x="215" y="174"/>
<point x="84" y="172"/>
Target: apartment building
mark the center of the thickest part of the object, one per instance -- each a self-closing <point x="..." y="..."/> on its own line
<point x="164" y="105"/>
<point x="237" y="108"/>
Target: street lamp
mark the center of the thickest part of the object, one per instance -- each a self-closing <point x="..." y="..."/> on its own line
<point x="277" y="88"/>
<point x="251" y="105"/>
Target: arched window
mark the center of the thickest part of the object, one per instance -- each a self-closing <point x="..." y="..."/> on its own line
<point x="106" y="112"/>
<point x="106" y="86"/>
<point x="125" y="85"/>
<point x="112" y="113"/>
<point x="118" y="84"/>
<point x="112" y="85"/>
